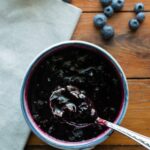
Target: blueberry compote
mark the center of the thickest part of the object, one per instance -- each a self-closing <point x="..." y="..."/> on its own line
<point x="69" y="88"/>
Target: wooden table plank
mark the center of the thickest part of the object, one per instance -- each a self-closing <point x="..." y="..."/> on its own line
<point x="97" y="148"/>
<point x="132" y="50"/>
<point x="94" y="5"/>
<point x="137" y="117"/>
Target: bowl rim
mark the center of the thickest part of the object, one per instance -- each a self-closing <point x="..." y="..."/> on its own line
<point x="73" y="145"/>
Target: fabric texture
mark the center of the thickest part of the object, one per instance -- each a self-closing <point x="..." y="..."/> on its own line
<point x="26" y="28"/>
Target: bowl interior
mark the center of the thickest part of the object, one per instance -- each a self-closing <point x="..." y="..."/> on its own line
<point x="51" y="51"/>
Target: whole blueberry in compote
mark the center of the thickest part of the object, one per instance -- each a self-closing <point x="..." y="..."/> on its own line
<point x="139" y="7"/>
<point x="117" y="4"/>
<point x="100" y="20"/>
<point x="69" y="89"/>
<point x="108" y="11"/>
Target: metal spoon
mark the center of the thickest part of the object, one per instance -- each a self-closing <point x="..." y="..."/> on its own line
<point x="141" y="139"/>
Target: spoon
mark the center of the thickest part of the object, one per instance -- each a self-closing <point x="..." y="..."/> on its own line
<point x="141" y="139"/>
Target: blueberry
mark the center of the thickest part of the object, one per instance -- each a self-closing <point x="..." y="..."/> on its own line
<point x="68" y="1"/>
<point x="49" y="79"/>
<point x="105" y="2"/>
<point x="67" y="80"/>
<point x="67" y="64"/>
<point x="77" y="133"/>
<point x="77" y="80"/>
<point x="61" y="74"/>
<point x="109" y="112"/>
<point x="107" y="32"/>
<point x="93" y="112"/>
<point x="40" y="104"/>
<point x="117" y="4"/>
<point x="44" y="123"/>
<point x="51" y="129"/>
<point x="134" y="24"/>
<point x="88" y="71"/>
<point x="83" y="106"/>
<point x="108" y="11"/>
<point x="72" y="68"/>
<point x="139" y="7"/>
<point x="97" y="89"/>
<point x="140" y="17"/>
<point x="71" y="138"/>
<point x="62" y="100"/>
<point x="71" y="107"/>
<point x="36" y="117"/>
<point x="100" y="20"/>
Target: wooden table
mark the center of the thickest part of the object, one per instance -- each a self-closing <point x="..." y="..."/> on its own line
<point x="132" y="50"/>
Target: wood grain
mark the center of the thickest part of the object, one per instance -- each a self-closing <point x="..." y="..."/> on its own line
<point x="137" y="117"/>
<point x="97" y="148"/>
<point x="94" y="5"/>
<point x="132" y="50"/>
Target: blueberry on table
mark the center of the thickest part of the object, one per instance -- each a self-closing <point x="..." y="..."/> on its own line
<point x="117" y="4"/>
<point x="134" y="24"/>
<point x="107" y="32"/>
<point x="108" y="11"/>
<point x="139" y="7"/>
<point x="68" y="1"/>
<point x="100" y="20"/>
<point x="140" y="16"/>
<point x="105" y="2"/>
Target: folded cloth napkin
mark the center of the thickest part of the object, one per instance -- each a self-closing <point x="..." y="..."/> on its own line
<point x="26" y="28"/>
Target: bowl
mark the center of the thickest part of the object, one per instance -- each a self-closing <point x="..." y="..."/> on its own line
<point x="87" y="144"/>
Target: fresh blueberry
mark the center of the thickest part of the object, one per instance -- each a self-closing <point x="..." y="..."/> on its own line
<point x="107" y="32"/>
<point x="100" y="20"/>
<point x="140" y="17"/>
<point x="117" y="4"/>
<point x="108" y="11"/>
<point x="68" y="1"/>
<point x="105" y="2"/>
<point x="134" y="24"/>
<point x="139" y="7"/>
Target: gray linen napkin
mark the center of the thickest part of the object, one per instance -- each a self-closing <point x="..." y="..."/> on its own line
<point x="26" y="28"/>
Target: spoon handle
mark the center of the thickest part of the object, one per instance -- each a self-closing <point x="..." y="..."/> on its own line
<point x="143" y="140"/>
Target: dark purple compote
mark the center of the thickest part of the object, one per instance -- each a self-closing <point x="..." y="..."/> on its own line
<point x="69" y="88"/>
